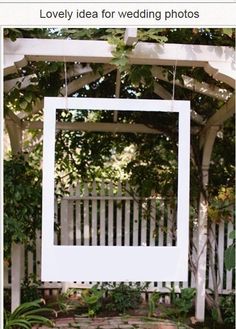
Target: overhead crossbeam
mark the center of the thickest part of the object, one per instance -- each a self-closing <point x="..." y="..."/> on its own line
<point x="192" y="84"/>
<point x="218" y="61"/>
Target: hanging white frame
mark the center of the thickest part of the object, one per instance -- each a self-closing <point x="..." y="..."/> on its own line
<point x="115" y="263"/>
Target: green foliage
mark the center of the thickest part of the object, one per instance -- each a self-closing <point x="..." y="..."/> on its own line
<point x="62" y="304"/>
<point x="185" y="301"/>
<point x="92" y="298"/>
<point x="181" y="304"/>
<point x="120" y="53"/>
<point x="152" y="302"/>
<point x="229" y="255"/>
<point x="228" y="307"/>
<point x="157" y="35"/>
<point x="26" y="315"/>
<point x="124" y="297"/>
<point x="22" y="202"/>
<point x="30" y="289"/>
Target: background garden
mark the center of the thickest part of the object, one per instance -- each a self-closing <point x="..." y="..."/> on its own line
<point x="128" y="178"/>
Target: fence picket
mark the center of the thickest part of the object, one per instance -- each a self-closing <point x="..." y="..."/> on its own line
<point x="160" y="232"/>
<point x="110" y="215"/>
<point x="135" y="222"/>
<point x="212" y="245"/>
<point x="78" y="233"/>
<point x="30" y="259"/>
<point x="119" y="216"/>
<point x="144" y="218"/>
<point x="220" y="256"/>
<point x="89" y="218"/>
<point x="152" y="222"/>
<point x="94" y="216"/>
<point x="127" y="217"/>
<point x="102" y="231"/>
<point x="229" y="278"/>
<point x="86" y="216"/>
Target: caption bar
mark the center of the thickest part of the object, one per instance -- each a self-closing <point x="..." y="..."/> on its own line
<point x="119" y="14"/>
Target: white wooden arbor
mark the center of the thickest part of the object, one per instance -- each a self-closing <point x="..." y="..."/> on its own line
<point x="216" y="61"/>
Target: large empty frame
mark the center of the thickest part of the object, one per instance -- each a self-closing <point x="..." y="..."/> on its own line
<point x="115" y="263"/>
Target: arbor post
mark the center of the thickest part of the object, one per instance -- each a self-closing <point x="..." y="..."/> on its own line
<point x="14" y="129"/>
<point x="208" y="143"/>
<point x="16" y="257"/>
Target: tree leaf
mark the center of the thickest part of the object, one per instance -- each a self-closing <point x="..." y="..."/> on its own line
<point x="230" y="258"/>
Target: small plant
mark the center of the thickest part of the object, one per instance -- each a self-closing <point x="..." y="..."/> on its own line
<point x="92" y="298"/>
<point x="228" y="307"/>
<point x="30" y="289"/>
<point x="62" y="304"/>
<point x="124" y="297"/>
<point x="181" y="304"/>
<point x="185" y="301"/>
<point x="26" y="315"/>
<point x="152" y="303"/>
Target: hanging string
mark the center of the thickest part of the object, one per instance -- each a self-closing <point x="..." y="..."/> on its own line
<point x="173" y="88"/>
<point x="66" y="85"/>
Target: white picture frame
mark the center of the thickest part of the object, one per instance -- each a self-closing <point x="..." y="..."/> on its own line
<point x="115" y="263"/>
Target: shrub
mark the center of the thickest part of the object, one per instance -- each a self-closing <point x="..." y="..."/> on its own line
<point x="124" y="297"/>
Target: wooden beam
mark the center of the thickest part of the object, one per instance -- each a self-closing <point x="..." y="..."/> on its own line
<point x="19" y="83"/>
<point x="111" y="127"/>
<point x="130" y="36"/>
<point x="220" y="59"/>
<point x="192" y="84"/>
<point x="77" y="84"/>
<point x="218" y="118"/>
<point x="97" y="127"/>
<point x="165" y="94"/>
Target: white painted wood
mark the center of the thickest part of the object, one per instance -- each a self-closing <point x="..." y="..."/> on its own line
<point x="64" y="222"/>
<point x="30" y="259"/>
<point x="160" y="221"/>
<point x="144" y="224"/>
<point x="130" y="36"/>
<point x="6" y="275"/>
<point x="174" y="255"/>
<point x="194" y="257"/>
<point x="86" y="217"/>
<point x="229" y="274"/>
<point x="169" y="242"/>
<point x="119" y="216"/>
<point x="65" y="231"/>
<point x="19" y="83"/>
<point x="38" y="254"/>
<point x="202" y="227"/>
<point x="102" y="215"/>
<point x="153" y="221"/>
<point x="218" y="118"/>
<point x="94" y="215"/>
<point x="152" y="287"/>
<point x="135" y="222"/>
<point x="127" y="216"/>
<point x="16" y="258"/>
<point x="55" y="220"/>
<point x="78" y="233"/>
<point x="212" y="245"/>
<point x="190" y="83"/>
<point x="110" y="215"/>
<point x="217" y="60"/>
<point x="220" y="257"/>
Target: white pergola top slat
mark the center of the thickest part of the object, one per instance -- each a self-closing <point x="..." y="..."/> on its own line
<point x="218" y="61"/>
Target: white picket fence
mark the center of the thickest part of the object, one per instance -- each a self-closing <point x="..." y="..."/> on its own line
<point x="107" y="214"/>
